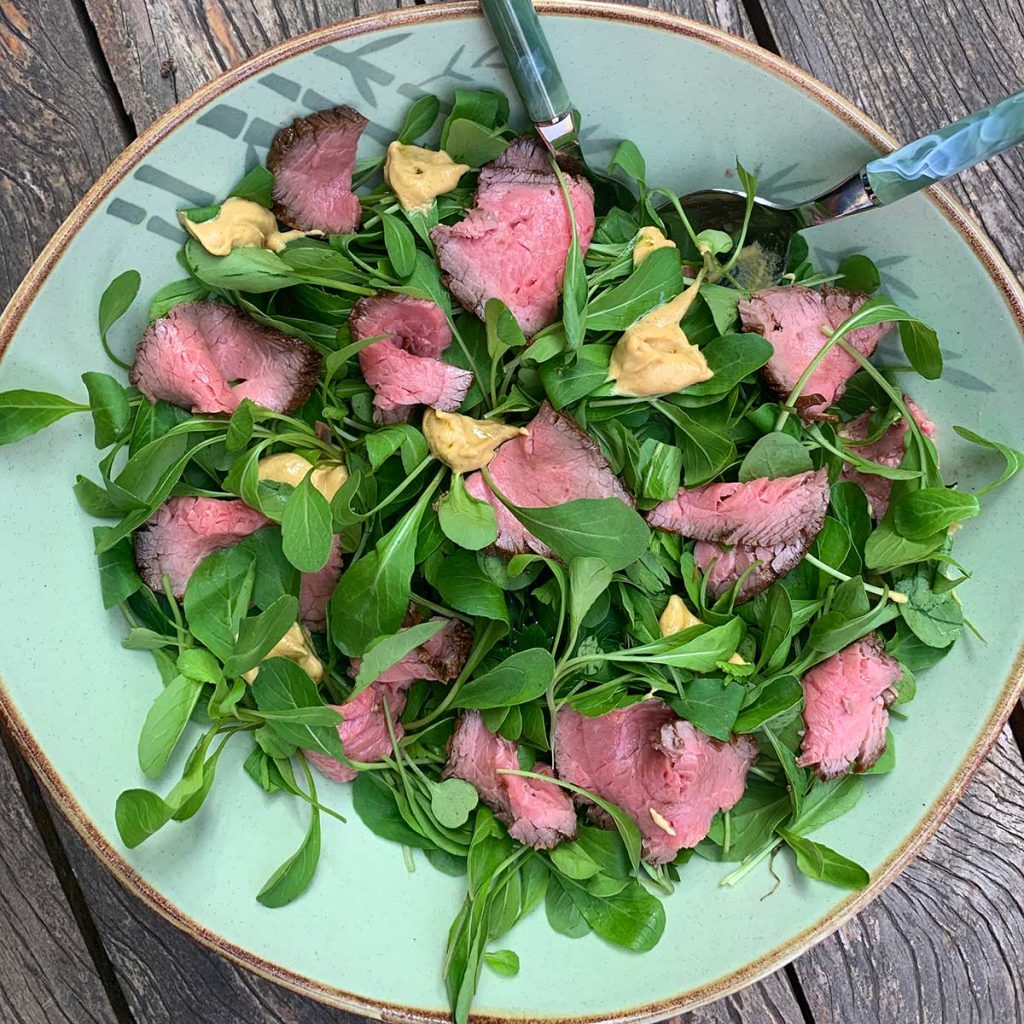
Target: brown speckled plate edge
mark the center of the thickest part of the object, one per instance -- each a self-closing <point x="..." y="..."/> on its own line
<point x="160" y="129"/>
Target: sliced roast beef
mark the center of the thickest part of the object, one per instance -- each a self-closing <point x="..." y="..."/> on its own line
<point x="667" y="775"/>
<point x="888" y="450"/>
<point x="514" y="243"/>
<point x="759" y="512"/>
<point x="539" y="814"/>
<point x="316" y="588"/>
<point x="208" y="356"/>
<point x="845" y="701"/>
<point x="797" y="320"/>
<point x="554" y="463"/>
<point x="183" y="531"/>
<point x="417" y="325"/>
<point x="440" y="659"/>
<point x="404" y="368"/>
<point x="364" y="729"/>
<point x="401" y="381"/>
<point x="758" y="566"/>
<point x="312" y="161"/>
<point x="758" y="530"/>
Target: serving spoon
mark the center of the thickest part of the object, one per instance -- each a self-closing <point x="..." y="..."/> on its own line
<point x="880" y="182"/>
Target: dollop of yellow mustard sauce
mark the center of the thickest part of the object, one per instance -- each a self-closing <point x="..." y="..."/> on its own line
<point x="296" y="645"/>
<point x="418" y="176"/>
<point x="463" y="443"/>
<point x="240" y="224"/>
<point x="291" y="468"/>
<point x="647" y="240"/>
<point x="676" y="617"/>
<point x="654" y="356"/>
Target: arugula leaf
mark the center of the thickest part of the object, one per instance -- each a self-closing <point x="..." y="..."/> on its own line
<point x="257" y="186"/>
<point x="775" y="698"/>
<point x="468" y="521"/>
<point x="373" y="593"/>
<point x="389" y="650"/>
<point x="400" y="245"/>
<point x="108" y="401"/>
<point x="657" y="280"/>
<point x="467" y="588"/>
<point x="282" y="687"/>
<point x="23" y="413"/>
<point x="115" y="301"/>
<point x="519" y="679"/>
<point x="217" y="597"/>
<point x="165" y="722"/>
<point x="588" y="579"/>
<point x="818" y="861"/>
<point x="1014" y="459"/>
<point x="258" y="634"/>
<point x="633" y="918"/>
<point x="292" y="878"/>
<point x="420" y="118"/>
<point x="922" y="513"/>
<point x="306" y="527"/>
<point x="605" y="528"/>
<point x="711" y="704"/>
<point x="774" y="455"/>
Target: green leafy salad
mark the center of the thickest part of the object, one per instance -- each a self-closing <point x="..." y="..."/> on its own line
<point x="578" y="621"/>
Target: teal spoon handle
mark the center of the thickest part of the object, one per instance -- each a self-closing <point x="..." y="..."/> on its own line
<point x="947" y="151"/>
<point x="531" y="64"/>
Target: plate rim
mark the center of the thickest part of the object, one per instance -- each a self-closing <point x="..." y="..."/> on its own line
<point x="105" y="851"/>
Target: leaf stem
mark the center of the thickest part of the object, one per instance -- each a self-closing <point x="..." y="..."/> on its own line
<point x="893" y="595"/>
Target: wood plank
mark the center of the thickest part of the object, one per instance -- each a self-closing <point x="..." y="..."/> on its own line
<point x="67" y="130"/>
<point x="168" y="978"/>
<point x="917" y="66"/>
<point x="159" y="53"/>
<point x="945" y="942"/>
<point x="936" y="945"/>
<point x="46" y="973"/>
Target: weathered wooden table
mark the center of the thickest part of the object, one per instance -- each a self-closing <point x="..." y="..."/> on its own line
<point x="78" y="80"/>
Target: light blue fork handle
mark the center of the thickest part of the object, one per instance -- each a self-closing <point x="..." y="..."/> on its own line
<point x="531" y="64"/>
<point x="948" y="151"/>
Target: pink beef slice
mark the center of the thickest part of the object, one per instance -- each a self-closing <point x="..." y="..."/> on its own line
<point x="645" y="759"/>
<point x="417" y="325"/>
<point x="792" y="318"/>
<point x="723" y="565"/>
<point x="315" y="590"/>
<point x="363" y="730"/>
<point x="539" y="814"/>
<point x="555" y="463"/>
<point x="404" y="368"/>
<point x="845" y="701"/>
<point x="191" y="357"/>
<point x="312" y="161"/>
<point x="440" y="659"/>
<point x="763" y="525"/>
<point x="888" y="450"/>
<point x="514" y="243"/>
<point x="183" y="531"/>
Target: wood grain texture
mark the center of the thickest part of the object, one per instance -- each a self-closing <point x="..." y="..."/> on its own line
<point x="66" y="131"/>
<point x="945" y="943"/>
<point x="46" y="973"/>
<point x="159" y="51"/>
<point x="914" y="67"/>
<point x="167" y="978"/>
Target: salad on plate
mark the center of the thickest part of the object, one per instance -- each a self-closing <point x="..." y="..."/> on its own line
<point x="575" y="544"/>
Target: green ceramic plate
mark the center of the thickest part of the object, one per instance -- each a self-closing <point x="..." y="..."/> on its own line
<point x="369" y="935"/>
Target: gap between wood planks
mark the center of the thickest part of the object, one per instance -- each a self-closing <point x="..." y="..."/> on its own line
<point x="44" y="823"/>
